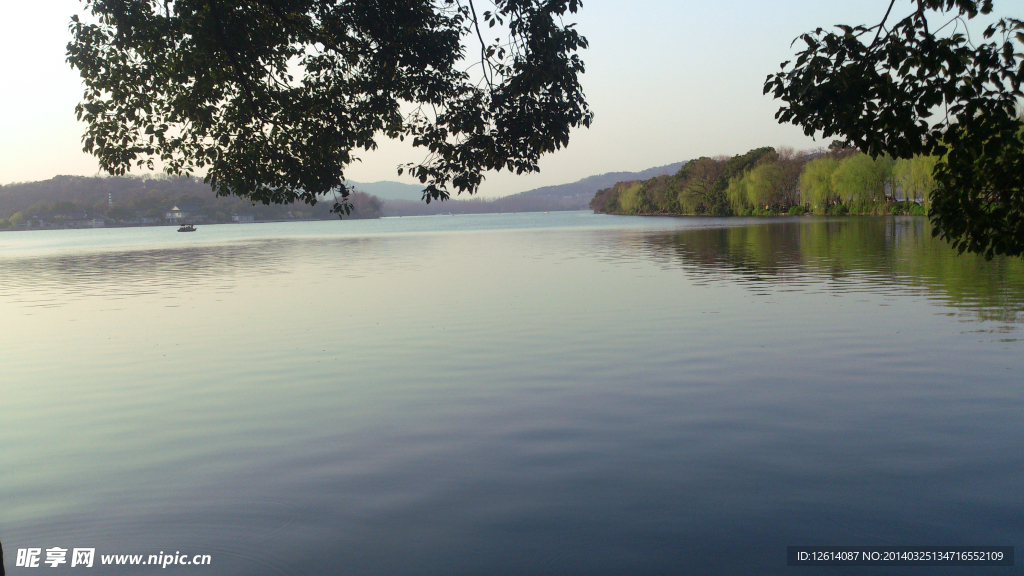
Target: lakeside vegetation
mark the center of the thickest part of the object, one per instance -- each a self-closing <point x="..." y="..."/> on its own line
<point x="766" y="181"/>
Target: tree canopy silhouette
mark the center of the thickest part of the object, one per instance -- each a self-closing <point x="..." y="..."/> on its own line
<point x="272" y="98"/>
<point x="913" y="86"/>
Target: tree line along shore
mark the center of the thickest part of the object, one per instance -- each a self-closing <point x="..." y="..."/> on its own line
<point x="80" y="202"/>
<point x="766" y="181"/>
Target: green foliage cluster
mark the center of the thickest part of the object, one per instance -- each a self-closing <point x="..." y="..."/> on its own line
<point x="771" y="186"/>
<point x="765" y="182"/>
<point x="865" y="185"/>
<point x="700" y="187"/>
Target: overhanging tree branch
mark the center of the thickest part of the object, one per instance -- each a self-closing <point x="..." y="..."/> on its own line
<point x="216" y="73"/>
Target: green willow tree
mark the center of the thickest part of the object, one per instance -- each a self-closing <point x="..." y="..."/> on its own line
<point x="861" y="180"/>
<point x="272" y="98"/>
<point x="816" y="189"/>
<point x="921" y="85"/>
<point x="915" y="178"/>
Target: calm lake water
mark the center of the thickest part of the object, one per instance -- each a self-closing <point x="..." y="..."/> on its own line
<point x="523" y="394"/>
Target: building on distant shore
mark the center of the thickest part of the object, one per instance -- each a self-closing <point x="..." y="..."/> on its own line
<point x="183" y="213"/>
<point x="243" y="217"/>
<point x="176" y="215"/>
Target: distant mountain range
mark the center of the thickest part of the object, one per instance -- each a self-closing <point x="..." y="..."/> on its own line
<point x="589" y="186"/>
<point x="579" y="193"/>
<point x="573" y="196"/>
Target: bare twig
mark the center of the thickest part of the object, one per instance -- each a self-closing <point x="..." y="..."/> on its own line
<point x="881" y="25"/>
<point x="485" y="63"/>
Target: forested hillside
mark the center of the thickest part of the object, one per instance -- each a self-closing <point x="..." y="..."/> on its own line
<point x="768" y="181"/>
<point x="131" y="201"/>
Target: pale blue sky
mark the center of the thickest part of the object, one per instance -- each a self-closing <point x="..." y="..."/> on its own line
<point x="667" y="81"/>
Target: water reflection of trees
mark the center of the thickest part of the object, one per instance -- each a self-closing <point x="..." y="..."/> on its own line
<point x="886" y="255"/>
<point x="49" y="279"/>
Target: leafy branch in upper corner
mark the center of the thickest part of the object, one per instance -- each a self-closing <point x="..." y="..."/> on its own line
<point x="910" y="87"/>
<point x="272" y="98"/>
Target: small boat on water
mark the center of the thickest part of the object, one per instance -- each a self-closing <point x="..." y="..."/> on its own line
<point x="187" y="228"/>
